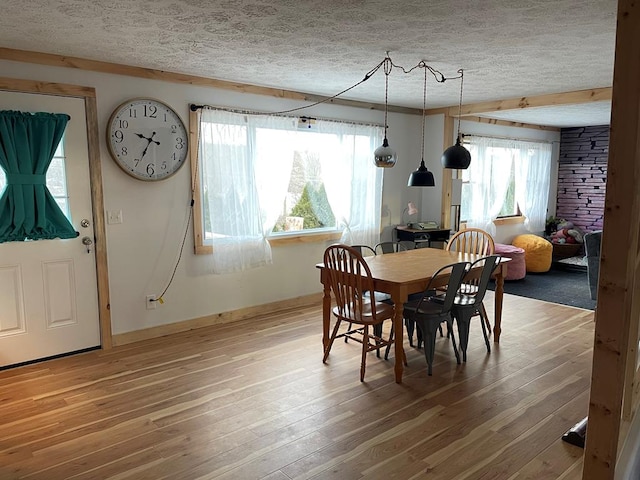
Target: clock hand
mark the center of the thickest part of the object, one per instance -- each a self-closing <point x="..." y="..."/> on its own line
<point x="149" y="140"/>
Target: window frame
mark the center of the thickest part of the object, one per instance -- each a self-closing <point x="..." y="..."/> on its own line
<point x="277" y="239"/>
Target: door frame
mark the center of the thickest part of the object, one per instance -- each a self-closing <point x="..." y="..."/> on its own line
<point x="88" y="94"/>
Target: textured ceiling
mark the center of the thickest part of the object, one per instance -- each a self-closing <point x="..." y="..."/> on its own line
<point x="507" y="48"/>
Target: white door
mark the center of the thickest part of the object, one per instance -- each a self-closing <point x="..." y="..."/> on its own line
<point x="48" y="288"/>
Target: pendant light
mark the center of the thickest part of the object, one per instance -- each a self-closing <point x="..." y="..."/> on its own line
<point x="422" y="177"/>
<point x="456" y="156"/>
<point x="384" y="155"/>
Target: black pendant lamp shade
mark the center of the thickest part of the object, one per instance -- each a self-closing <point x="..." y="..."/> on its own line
<point x="421" y="177"/>
<point x="456" y="157"/>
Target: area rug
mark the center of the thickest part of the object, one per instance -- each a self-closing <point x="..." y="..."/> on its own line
<point x="562" y="284"/>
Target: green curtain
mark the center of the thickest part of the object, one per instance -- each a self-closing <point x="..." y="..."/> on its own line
<point x="28" y="211"/>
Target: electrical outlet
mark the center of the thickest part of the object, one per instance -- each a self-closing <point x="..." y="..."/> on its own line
<point x="151" y="302"/>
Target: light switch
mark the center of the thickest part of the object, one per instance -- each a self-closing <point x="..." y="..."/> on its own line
<point x="114" y="216"/>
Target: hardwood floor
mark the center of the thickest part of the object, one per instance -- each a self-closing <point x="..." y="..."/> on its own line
<point x="254" y="400"/>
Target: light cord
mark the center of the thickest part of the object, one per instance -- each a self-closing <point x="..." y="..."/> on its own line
<point x="424" y="108"/>
<point x="461" y="72"/>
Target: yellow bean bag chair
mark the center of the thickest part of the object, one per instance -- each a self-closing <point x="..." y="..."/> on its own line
<point x="537" y="252"/>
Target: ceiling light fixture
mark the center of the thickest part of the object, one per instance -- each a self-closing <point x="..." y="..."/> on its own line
<point x="456" y="156"/>
<point x="422" y="177"/>
<point x="384" y="155"/>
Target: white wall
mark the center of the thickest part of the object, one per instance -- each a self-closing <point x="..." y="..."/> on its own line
<point x="505" y="233"/>
<point x="143" y="249"/>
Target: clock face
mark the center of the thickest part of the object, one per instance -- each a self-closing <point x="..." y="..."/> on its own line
<point x="147" y="139"/>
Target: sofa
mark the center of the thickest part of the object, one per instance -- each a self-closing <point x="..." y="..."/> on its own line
<point x="592" y="242"/>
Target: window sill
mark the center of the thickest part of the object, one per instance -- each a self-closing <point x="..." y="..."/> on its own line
<point x="279" y="241"/>
<point x="305" y="238"/>
<point x="509" y="220"/>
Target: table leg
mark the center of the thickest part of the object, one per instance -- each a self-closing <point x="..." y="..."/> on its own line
<point x="398" y="328"/>
<point x="499" y="293"/>
<point x="326" y="313"/>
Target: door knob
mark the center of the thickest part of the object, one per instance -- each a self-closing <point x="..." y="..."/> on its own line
<point x="84" y="223"/>
<point x="87" y="242"/>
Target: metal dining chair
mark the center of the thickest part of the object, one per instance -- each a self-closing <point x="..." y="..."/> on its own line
<point x="390" y="247"/>
<point x="466" y="305"/>
<point x="432" y="309"/>
<point x="475" y="241"/>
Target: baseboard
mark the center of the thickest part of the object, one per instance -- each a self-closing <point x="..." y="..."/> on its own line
<point x="216" y="319"/>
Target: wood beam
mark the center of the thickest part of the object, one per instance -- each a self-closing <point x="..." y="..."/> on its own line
<point x="619" y="255"/>
<point x="447" y="175"/>
<point x="181" y="78"/>
<point x="566" y="98"/>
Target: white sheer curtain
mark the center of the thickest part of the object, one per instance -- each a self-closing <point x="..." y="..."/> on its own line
<point x="242" y="189"/>
<point x="486" y="183"/>
<point x="353" y="183"/>
<point x="532" y="178"/>
<point x="488" y="179"/>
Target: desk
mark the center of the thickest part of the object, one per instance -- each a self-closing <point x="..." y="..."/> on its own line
<point x="416" y="235"/>
<point x="403" y="273"/>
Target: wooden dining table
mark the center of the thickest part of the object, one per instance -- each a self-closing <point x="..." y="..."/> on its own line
<point x="403" y="273"/>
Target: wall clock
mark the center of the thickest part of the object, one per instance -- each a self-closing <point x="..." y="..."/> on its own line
<point x="147" y="139"/>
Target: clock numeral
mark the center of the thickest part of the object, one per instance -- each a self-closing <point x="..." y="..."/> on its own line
<point x="179" y="143"/>
<point x="123" y="124"/>
<point x="119" y="136"/>
<point x="133" y="113"/>
<point x="124" y="151"/>
<point x="150" y="111"/>
<point x="164" y="165"/>
<point x="136" y="161"/>
<point x="151" y="169"/>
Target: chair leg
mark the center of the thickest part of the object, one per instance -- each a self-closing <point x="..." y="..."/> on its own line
<point x="331" y="339"/>
<point x="410" y="326"/>
<point x="346" y="338"/>
<point x="365" y="344"/>
<point x="463" y="319"/>
<point x="453" y="338"/>
<point x="484" y="333"/>
<point x="485" y="317"/>
<point x="377" y="331"/>
<point x="428" y="328"/>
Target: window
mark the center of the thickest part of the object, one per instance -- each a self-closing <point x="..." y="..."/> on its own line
<point x="56" y="180"/>
<point x="505" y="178"/>
<point x="265" y="177"/>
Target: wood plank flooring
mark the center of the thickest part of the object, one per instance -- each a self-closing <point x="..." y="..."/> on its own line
<point x="253" y="400"/>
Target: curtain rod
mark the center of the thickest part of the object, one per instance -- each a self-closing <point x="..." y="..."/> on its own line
<point x="507" y="138"/>
<point x="194" y="108"/>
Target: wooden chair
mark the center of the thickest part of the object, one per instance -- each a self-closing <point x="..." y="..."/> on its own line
<point x="432" y="309"/>
<point x="390" y="247"/>
<point x="476" y="241"/>
<point x="467" y="305"/>
<point x="349" y="277"/>
<point x="472" y="240"/>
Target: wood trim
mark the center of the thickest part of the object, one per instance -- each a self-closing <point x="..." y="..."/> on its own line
<point x="216" y="319"/>
<point x="153" y="74"/>
<point x="447" y="175"/>
<point x="618" y="275"/>
<point x="508" y="123"/>
<point x="279" y="241"/>
<point x="95" y="176"/>
<point x="509" y="220"/>
<point x="46" y="88"/>
<point x="565" y="98"/>
<point x="100" y="233"/>
<point x="199" y="247"/>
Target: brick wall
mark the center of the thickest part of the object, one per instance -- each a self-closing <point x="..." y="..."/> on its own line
<point x="582" y="174"/>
